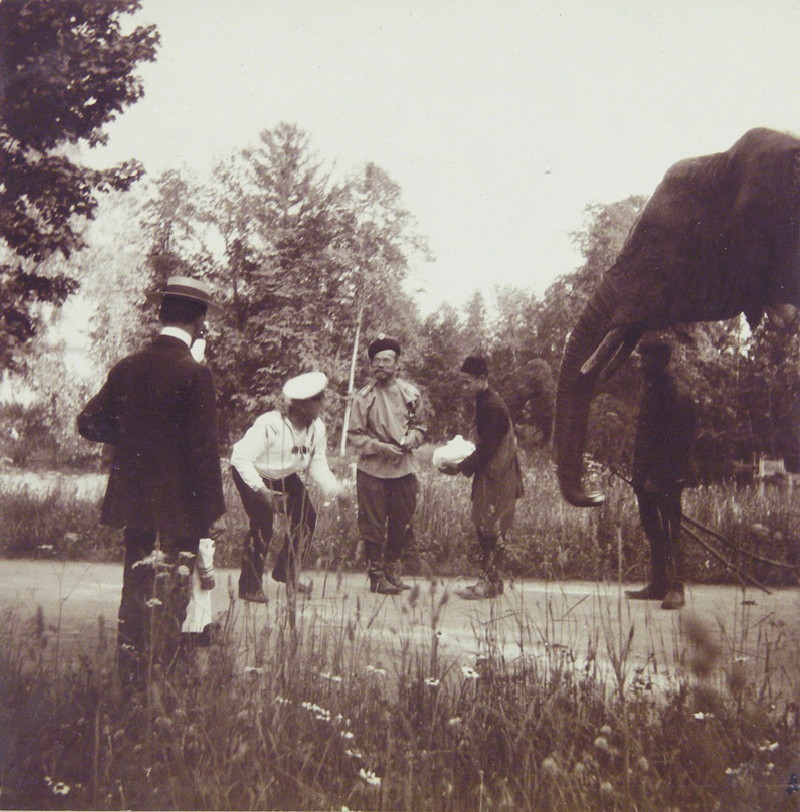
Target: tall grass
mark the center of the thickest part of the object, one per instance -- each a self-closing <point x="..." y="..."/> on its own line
<point x="326" y="713"/>
<point x="549" y="539"/>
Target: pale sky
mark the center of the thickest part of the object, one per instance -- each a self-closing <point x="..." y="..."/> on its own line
<point x="500" y="120"/>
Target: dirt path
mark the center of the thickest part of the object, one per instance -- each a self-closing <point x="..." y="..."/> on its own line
<point x="573" y="623"/>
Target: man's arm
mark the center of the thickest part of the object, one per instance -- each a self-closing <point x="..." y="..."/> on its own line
<point x="99" y="421"/>
<point x="203" y="445"/>
<point x="418" y="421"/>
<point x="494" y="425"/>
<point x="358" y="430"/>
<point x="318" y="469"/>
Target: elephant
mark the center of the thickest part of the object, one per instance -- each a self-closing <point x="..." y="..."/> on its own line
<point x="719" y="236"/>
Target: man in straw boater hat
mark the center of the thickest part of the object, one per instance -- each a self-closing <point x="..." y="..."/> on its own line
<point x="662" y="467"/>
<point x="496" y="477"/>
<point x="387" y="423"/>
<point x="157" y="409"/>
<point x="265" y="465"/>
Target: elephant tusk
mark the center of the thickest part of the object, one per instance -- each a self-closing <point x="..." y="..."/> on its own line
<point x="605" y="351"/>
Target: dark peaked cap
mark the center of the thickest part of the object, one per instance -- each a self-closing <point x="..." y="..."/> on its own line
<point x="475" y="365"/>
<point x="381" y="343"/>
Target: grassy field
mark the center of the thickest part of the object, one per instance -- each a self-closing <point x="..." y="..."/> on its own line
<point x="294" y="714"/>
<point x="550" y="539"/>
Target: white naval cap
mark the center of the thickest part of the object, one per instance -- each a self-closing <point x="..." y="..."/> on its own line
<point x="305" y="386"/>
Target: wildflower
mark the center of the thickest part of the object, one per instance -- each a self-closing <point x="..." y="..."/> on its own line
<point x="331" y="677"/>
<point x="346" y="734"/>
<point x="606" y="788"/>
<point x="550" y="766"/>
<point x="253" y="669"/>
<point x="380" y="672"/>
<point x="768" y="748"/>
<point x="186" y="554"/>
<point x="370" y="777"/>
<point x="432" y="681"/>
<point x="606" y="730"/>
<point x="700" y="716"/>
<point x="770" y="767"/>
<point x="601" y="743"/>
<point x="740" y="659"/>
<point x="155" y="559"/>
<point x="153" y="602"/>
<point x="354" y="753"/>
<point x="454" y="722"/>
<point x="282" y="700"/>
<point x="644" y="764"/>
<point x="183" y="571"/>
<point x="469" y="673"/>
<point x="60" y="788"/>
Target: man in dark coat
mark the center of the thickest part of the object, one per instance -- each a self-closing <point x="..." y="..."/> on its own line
<point x="661" y="467"/>
<point x="158" y="410"/>
<point x="496" y="477"/>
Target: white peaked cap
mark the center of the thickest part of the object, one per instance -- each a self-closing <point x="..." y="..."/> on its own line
<point x="305" y="386"/>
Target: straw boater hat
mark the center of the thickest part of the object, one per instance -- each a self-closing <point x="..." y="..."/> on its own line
<point x="305" y="386"/>
<point x="186" y="287"/>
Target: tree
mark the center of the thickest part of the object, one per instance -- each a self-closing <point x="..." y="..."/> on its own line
<point x="66" y="70"/>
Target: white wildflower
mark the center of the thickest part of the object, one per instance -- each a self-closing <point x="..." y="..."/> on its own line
<point x="184" y="571"/>
<point x="768" y="748"/>
<point x="370" y="777"/>
<point x="379" y="672"/>
<point x="282" y="700"/>
<point x="549" y="765"/>
<point x="606" y="788"/>
<point x="644" y="764"/>
<point x="253" y="669"/>
<point x="346" y="734"/>
<point x="354" y="753"/>
<point x="331" y="677"/>
<point x="156" y="558"/>
<point x="606" y="730"/>
<point x="153" y="602"/>
<point x="601" y="743"/>
<point x="186" y="554"/>
<point x="700" y="716"/>
<point x="469" y="673"/>
<point x="454" y="722"/>
<point x="432" y="681"/>
<point x="60" y="788"/>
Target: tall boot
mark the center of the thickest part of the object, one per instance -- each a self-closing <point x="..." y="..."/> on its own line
<point x="658" y="587"/>
<point x="674" y="598"/>
<point x="390" y="574"/>
<point x="378" y="581"/>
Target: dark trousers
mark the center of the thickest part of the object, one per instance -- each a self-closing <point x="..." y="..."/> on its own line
<point x="385" y="509"/>
<point x="156" y="588"/>
<point x="301" y="518"/>
<point x="660" y="514"/>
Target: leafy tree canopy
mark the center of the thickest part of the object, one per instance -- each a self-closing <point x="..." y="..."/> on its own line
<point x="66" y="70"/>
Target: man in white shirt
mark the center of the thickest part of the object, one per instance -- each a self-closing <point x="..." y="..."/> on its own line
<point x="265" y="467"/>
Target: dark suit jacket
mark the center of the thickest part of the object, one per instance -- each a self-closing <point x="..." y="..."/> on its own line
<point x="158" y="410"/>
<point x="662" y="451"/>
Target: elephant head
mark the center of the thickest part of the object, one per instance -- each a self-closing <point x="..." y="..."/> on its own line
<point x="719" y="236"/>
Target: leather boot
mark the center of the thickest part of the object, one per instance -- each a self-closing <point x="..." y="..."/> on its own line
<point x="652" y="592"/>
<point x="378" y="581"/>
<point x="673" y="599"/>
<point x="484" y="588"/>
<point x="390" y="574"/>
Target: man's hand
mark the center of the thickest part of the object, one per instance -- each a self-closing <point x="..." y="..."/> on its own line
<point x="274" y="500"/>
<point x="449" y="468"/>
<point x="216" y="531"/>
<point x="391" y="451"/>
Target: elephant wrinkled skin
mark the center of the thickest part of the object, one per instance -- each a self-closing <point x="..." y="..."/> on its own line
<point x="720" y="236"/>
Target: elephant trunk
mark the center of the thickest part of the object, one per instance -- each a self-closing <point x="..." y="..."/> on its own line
<point x="580" y="370"/>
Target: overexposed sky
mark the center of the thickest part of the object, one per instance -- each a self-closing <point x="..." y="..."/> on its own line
<point x="499" y="119"/>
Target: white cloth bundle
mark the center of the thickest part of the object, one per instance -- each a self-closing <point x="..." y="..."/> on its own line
<point x="453" y="452"/>
<point x="198" y="613"/>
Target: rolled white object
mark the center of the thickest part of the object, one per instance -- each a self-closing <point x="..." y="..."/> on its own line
<point x="453" y="452"/>
<point x="198" y="350"/>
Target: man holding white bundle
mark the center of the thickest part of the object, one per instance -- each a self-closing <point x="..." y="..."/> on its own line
<point x="265" y="467"/>
<point x="497" y="477"/>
